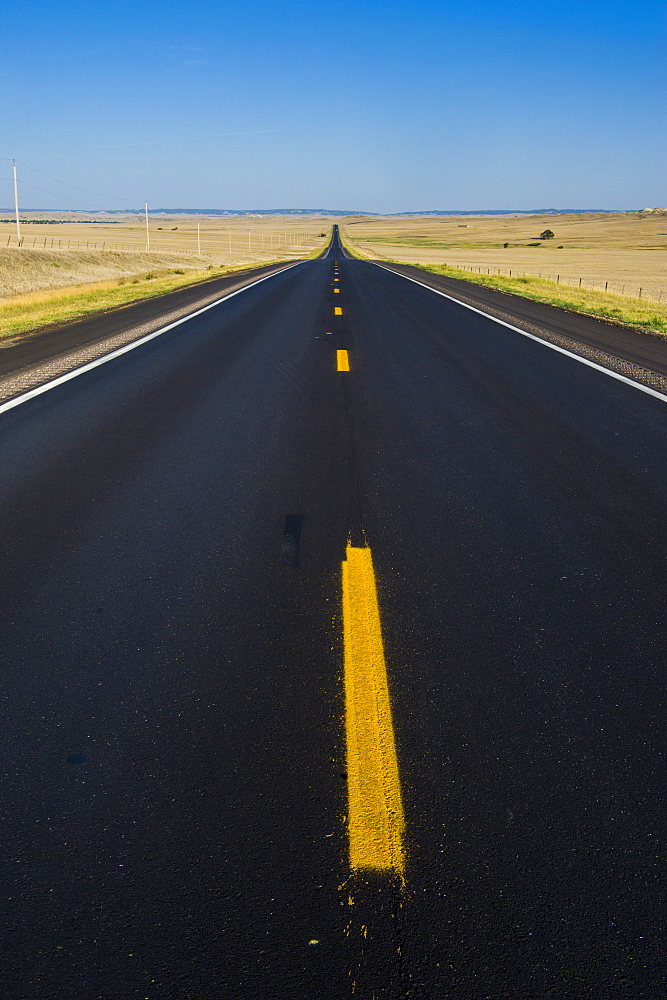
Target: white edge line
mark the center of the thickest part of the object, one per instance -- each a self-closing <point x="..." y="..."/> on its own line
<point x="46" y="386"/>
<point x="524" y="333"/>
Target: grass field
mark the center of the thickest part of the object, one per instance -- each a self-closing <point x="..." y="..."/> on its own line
<point x="43" y="284"/>
<point x="595" y="264"/>
<point x="76" y="248"/>
<point x="625" y="252"/>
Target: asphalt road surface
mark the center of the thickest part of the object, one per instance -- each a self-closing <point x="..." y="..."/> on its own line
<point x="176" y="804"/>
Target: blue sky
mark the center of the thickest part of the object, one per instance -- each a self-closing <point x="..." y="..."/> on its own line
<point x="379" y="106"/>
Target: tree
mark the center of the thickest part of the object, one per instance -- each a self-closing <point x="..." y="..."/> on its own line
<point x="547" y="235"/>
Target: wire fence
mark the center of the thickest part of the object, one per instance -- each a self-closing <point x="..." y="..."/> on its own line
<point x="621" y="289"/>
<point x="222" y="242"/>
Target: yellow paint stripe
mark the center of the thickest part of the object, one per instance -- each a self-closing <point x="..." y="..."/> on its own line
<point x="342" y="361"/>
<point x="337" y="291"/>
<point x="338" y="311"/>
<point x="328" y="333"/>
<point x="376" y="824"/>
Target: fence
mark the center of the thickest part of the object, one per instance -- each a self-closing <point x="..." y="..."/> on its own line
<point x="601" y="285"/>
<point x="218" y="242"/>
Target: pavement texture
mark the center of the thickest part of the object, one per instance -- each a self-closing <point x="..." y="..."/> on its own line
<point x="173" y="527"/>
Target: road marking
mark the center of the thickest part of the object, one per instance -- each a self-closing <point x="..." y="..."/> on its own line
<point x="524" y="333"/>
<point x="338" y="311"/>
<point x="342" y="361"/>
<point x="337" y="291"/>
<point x="38" y="390"/>
<point x="328" y="333"/>
<point x="376" y="824"/>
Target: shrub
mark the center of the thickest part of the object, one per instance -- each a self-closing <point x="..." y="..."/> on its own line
<point x="506" y="245"/>
<point x="179" y="272"/>
<point x="547" y="235"/>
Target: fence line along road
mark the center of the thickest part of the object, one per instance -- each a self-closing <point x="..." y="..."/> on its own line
<point x="594" y="286"/>
<point x="620" y="290"/>
<point x="230" y="241"/>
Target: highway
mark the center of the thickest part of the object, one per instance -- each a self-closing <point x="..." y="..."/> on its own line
<point x="333" y="644"/>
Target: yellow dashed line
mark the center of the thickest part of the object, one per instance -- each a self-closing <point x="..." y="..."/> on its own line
<point x="338" y="311"/>
<point x="376" y="824"/>
<point x="342" y="361"/>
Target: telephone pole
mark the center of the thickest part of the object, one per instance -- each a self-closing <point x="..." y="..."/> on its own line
<point x="16" y="205"/>
<point x="198" y="241"/>
<point x="148" y="239"/>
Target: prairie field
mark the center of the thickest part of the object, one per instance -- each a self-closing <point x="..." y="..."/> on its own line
<point x="619" y="254"/>
<point x="73" y="248"/>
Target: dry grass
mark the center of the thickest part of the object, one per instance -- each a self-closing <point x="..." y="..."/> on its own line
<point x="83" y="249"/>
<point x="25" y="271"/>
<point x="41" y="285"/>
<point x="625" y="251"/>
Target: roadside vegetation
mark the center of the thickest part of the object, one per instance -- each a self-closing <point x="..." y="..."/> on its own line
<point x="644" y="315"/>
<point x="622" y="253"/>
<point x="31" y="311"/>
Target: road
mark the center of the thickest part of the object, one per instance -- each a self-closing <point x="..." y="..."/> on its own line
<point x="182" y="752"/>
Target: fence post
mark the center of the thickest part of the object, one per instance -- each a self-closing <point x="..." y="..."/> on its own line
<point x="640" y="293"/>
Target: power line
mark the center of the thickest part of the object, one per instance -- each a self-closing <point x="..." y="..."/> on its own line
<point x="76" y="187"/>
<point x="54" y="193"/>
<point x="97" y="194"/>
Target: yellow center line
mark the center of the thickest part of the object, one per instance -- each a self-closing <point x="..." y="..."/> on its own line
<point x="376" y="824"/>
<point x="342" y="361"/>
<point x="328" y="333"/>
<point x="338" y="311"/>
<point x="337" y="291"/>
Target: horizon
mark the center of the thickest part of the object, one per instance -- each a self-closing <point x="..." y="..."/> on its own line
<point x="331" y="211"/>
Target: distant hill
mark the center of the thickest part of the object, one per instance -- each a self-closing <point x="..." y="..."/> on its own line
<point x="338" y="212"/>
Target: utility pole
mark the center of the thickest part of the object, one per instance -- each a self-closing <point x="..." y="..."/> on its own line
<point x="16" y="205"/>
<point x="248" y="241"/>
<point x="198" y="241"/>
<point x="148" y="239"/>
<point x="229" y="233"/>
